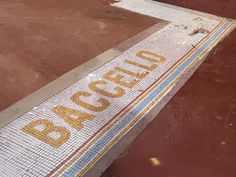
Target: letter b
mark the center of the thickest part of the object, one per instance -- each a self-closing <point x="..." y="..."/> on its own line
<point x="44" y="134"/>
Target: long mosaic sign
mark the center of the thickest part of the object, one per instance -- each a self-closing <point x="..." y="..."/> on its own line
<point x="66" y="134"/>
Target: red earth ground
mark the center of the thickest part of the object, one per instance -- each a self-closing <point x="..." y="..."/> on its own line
<point x="195" y="134"/>
<point x="41" y="40"/>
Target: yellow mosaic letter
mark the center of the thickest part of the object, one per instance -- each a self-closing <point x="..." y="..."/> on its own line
<point x="73" y="117"/>
<point x="76" y="99"/>
<point x="44" y="134"/>
<point x="137" y="75"/>
<point x="150" y="56"/>
<point x="149" y="68"/>
<point x="119" y="91"/>
<point x="118" y="79"/>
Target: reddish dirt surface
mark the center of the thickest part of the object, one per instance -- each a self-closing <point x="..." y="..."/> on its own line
<point x="195" y="134"/>
<point x="224" y="8"/>
<point x="41" y="40"/>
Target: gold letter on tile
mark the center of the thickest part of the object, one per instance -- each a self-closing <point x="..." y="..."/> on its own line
<point x="150" y="56"/>
<point x="119" y="91"/>
<point x="137" y="75"/>
<point x="44" y="134"/>
<point x="118" y="79"/>
<point x="149" y="68"/>
<point x="76" y="99"/>
<point x="73" y="117"/>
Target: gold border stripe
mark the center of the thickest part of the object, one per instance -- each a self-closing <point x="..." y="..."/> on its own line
<point x="148" y="107"/>
<point x="112" y="123"/>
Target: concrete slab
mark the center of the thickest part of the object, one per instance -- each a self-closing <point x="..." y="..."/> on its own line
<point x="80" y="130"/>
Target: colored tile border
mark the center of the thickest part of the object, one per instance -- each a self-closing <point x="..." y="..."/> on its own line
<point x="82" y="163"/>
